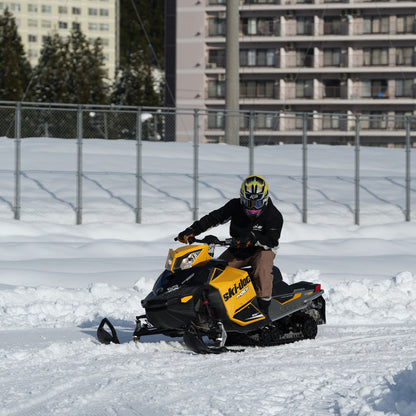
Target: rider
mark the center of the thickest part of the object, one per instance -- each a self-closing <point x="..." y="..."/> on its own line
<point x="255" y="226"/>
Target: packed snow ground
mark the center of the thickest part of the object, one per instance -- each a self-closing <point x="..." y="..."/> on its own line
<point x="57" y="280"/>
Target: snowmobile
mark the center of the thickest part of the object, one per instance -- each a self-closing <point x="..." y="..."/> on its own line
<point x="212" y="305"/>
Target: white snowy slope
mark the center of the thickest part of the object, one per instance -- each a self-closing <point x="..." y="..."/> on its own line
<point x="57" y="280"/>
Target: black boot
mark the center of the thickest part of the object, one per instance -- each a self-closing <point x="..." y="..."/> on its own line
<point x="264" y="305"/>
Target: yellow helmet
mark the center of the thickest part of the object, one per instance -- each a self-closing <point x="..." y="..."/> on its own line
<point x="254" y="194"/>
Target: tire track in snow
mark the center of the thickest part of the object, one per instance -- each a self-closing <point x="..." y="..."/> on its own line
<point x="373" y="194"/>
<point x="110" y="193"/>
<point x="324" y="194"/>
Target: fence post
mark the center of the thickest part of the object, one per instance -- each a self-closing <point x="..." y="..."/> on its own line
<point x="408" y="145"/>
<point x="18" y="160"/>
<point x="357" y="169"/>
<point x="139" y="173"/>
<point x="79" y="167"/>
<point x="251" y="122"/>
<point x="305" y="168"/>
<point x="196" y="164"/>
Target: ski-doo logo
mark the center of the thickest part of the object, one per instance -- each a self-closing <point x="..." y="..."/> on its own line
<point x="232" y="291"/>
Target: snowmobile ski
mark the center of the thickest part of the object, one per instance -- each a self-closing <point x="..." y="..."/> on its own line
<point x="103" y="336"/>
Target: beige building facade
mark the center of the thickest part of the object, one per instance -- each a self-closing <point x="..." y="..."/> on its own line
<point x="96" y="19"/>
<point x="331" y="57"/>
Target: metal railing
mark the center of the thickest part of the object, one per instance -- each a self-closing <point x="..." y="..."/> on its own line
<point x="25" y="120"/>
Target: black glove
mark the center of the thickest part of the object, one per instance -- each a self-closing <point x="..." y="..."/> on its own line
<point x="244" y="241"/>
<point x="187" y="236"/>
<point x="211" y="239"/>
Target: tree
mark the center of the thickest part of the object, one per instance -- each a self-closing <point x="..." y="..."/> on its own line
<point x="135" y="84"/>
<point x="142" y="30"/>
<point x="86" y="70"/>
<point x="50" y="80"/>
<point x="15" y="69"/>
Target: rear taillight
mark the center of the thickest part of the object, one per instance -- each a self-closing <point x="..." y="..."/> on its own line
<point x="317" y="288"/>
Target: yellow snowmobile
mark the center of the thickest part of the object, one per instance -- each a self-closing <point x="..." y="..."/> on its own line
<point x="212" y="305"/>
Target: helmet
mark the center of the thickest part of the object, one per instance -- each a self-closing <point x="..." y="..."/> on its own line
<point x="254" y="194"/>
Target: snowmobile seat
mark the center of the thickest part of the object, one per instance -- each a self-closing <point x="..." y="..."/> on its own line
<point x="279" y="286"/>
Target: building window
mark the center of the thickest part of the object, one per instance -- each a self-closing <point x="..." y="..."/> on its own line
<point x="332" y="88"/>
<point x="248" y="1"/>
<point x="373" y="120"/>
<point x="332" y="25"/>
<point x="104" y="12"/>
<point x="92" y="26"/>
<point x="46" y="24"/>
<point x="404" y="88"/>
<point x="331" y="121"/>
<point x="304" y="57"/>
<point x="216" y="120"/>
<point x="405" y="24"/>
<point x="376" y="24"/>
<point x="257" y="89"/>
<point x="404" y="56"/>
<point x="216" y="26"/>
<point x="62" y="25"/>
<point x="300" y="120"/>
<point x="400" y="119"/>
<point x="304" y="25"/>
<point x="375" y="56"/>
<point x="46" y="9"/>
<point x="32" y="8"/>
<point x="76" y="26"/>
<point x="62" y="10"/>
<point x="32" y="38"/>
<point x="92" y="12"/>
<point x="216" y="89"/>
<point x="257" y="57"/>
<point x="332" y="57"/>
<point x="105" y="42"/>
<point x="216" y="58"/>
<point x="104" y="27"/>
<point x="32" y="23"/>
<point x="14" y="7"/>
<point x="267" y="121"/>
<point x="76" y="10"/>
<point x="374" y="88"/>
<point x="304" y="88"/>
<point x="254" y="26"/>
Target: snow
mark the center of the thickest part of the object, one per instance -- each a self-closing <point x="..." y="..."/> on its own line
<point x="57" y="280"/>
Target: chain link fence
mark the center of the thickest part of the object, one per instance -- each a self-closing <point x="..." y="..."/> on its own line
<point x="79" y="124"/>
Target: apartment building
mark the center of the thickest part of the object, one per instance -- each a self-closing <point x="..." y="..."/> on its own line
<point x="323" y="56"/>
<point x="96" y="19"/>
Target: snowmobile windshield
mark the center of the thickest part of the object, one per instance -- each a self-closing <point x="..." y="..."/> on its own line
<point x="168" y="281"/>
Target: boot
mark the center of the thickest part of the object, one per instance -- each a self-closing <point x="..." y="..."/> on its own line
<point x="264" y="304"/>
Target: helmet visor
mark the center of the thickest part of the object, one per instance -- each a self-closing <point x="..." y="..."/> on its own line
<point x="253" y="203"/>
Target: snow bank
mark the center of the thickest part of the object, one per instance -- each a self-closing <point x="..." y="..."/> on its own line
<point x="363" y="302"/>
<point x="49" y="307"/>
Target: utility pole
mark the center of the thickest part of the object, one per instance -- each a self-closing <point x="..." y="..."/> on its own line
<point x="232" y="80"/>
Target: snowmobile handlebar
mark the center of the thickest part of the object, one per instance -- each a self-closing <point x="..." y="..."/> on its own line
<point x="213" y="240"/>
<point x="210" y="240"/>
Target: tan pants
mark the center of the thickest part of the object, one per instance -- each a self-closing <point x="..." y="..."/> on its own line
<point x="262" y="264"/>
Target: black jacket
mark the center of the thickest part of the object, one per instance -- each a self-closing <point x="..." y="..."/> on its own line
<point x="266" y="227"/>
